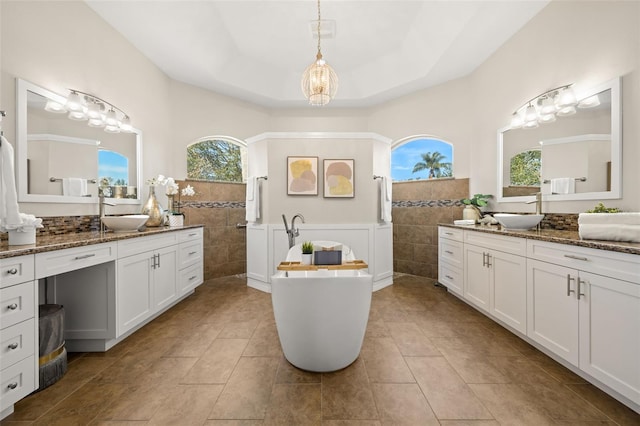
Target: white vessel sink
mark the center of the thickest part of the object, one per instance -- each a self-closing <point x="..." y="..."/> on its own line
<point x="518" y="222"/>
<point x="126" y="223"/>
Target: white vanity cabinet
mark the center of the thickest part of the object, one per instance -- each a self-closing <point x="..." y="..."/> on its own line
<point x="146" y="278"/>
<point x="18" y="331"/>
<point x="451" y="259"/>
<point x="590" y="319"/>
<point x="495" y="276"/>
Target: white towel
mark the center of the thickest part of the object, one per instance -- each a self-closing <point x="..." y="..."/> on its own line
<point x="629" y="218"/>
<point x="385" y="199"/>
<point x="252" y="204"/>
<point x="592" y="231"/>
<point x="74" y="187"/>
<point x="9" y="212"/>
<point x="563" y="186"/>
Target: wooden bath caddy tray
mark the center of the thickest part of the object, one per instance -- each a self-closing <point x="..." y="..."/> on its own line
<point x="296" y="266"/>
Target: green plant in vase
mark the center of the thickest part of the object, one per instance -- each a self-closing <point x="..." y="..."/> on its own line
<point x="307" y="247"/>
<point x="473" y="206"/>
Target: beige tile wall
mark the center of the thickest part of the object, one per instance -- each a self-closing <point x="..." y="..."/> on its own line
<point x="219" y="207"/>
<point x="415" y="227"/>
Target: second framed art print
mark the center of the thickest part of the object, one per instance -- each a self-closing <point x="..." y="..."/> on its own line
<point x="339" y="178"/>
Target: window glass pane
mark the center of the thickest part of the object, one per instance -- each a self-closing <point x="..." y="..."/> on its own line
<point x="114" y="167"/>
<point x="215" y="160"/>
<point x="423" y="158"/>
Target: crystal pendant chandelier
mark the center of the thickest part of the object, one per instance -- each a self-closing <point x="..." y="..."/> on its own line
<point x="319" y="80"/>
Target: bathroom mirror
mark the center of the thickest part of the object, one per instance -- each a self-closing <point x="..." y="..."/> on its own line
<point x="577" y="157"/>
<point x="53" y="152"/>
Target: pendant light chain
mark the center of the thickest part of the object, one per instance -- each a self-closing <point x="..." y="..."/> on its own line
<point x="319" y="52"/>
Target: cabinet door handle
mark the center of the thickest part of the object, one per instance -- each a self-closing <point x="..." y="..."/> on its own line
<point x="579" y="293"/>
<point x="153" y="265"/>
<point x="488" y="260"/>
<point x="158" y="260"/>
<point x="191" y="253"/>
<point x="571" y="256"/>
<point x="449" y="277"/>
<point x="13" y="306"/>
<point x="193" y="278"/>
<point x="13" y="346"/>
<point x="484" y="259"/>
<point x="12" y="385"/>
<point x="448" y="233"/>
<point x="193" y="235"/>
<point x="84" y="256"/>
<point x="12" y="271"/>
<point x="569" y="279"/>
<point x="448" y="252"/>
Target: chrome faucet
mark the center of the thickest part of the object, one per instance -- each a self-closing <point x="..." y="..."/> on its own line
<point x="101" y="204"/>
<point x="292" y="232"/>
<point x="538" y="202"/>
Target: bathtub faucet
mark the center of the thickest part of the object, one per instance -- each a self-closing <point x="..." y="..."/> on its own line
<point x="292" y="232"/>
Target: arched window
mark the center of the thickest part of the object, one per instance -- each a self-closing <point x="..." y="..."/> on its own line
<point x="217" y="158"/>
<point x="114" y="167"/>
<point x="421" y="157"/>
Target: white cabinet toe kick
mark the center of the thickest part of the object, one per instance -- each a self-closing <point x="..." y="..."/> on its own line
<point x="579" y="305"/>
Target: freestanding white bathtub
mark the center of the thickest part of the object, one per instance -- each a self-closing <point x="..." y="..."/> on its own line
<point x="321" y="316"/>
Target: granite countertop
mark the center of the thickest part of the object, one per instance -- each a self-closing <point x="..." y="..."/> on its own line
<point x="64" y="241"/>
<point x="562" y="237"/>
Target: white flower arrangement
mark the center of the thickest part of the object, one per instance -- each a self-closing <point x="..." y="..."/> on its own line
<point x="171" y="186"/>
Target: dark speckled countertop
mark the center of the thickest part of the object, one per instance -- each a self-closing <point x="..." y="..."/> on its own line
<point x="563" y="237"/>
<point x="64" y="241"/>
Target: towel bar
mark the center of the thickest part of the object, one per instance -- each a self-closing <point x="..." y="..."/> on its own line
<point x="52" y="179"/>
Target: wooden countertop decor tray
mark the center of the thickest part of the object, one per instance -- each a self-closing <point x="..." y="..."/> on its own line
<point x="296" y="266"/>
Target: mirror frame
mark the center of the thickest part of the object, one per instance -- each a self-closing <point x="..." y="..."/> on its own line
<point x="22" y="87"/>
<point x="616" y="153"/>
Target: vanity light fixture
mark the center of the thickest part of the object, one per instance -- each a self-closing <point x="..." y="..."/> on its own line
<point x="319" y="80"/>
<point x="99" y="113"/>
<point x="544" y="108"/>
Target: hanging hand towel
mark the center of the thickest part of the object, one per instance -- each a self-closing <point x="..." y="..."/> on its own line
<point x="385" y="199"/>
<point x="74" y="187"/>
<point x="9" y="212"/>
<point x="563" y="186"/>
<point x="252" y="204"/>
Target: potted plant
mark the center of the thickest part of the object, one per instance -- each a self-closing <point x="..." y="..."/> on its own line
<point x="473" y="205"/>
<point x="307" y="252"/>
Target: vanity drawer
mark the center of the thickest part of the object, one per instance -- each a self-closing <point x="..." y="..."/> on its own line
<point x="60" y="261"/>
<point x="450" y="233"/>
<point x="622" y="266"/>
<point x="190" y="253"/>
<point x="17" y="343"/>
<point x="190" y="235"/>
<point x="139" y="245"/>
<point x="15" y="270"/>
<point x="451" y="277"/>
<point x="451" y="251"/>
<point x="190" y="278"/>
<point x="513" y="245"/>
<point x="18" y="381"/>
<point x="17" y="303"/>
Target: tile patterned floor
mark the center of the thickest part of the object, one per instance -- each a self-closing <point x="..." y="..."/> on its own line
<point x="215" y="359"/>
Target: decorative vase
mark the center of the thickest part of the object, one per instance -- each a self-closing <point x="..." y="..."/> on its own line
<point x="153" y="209"/>
<point x="470" y="212"/>
<point x="306" y="258"/>
<point x="170" y="204"/>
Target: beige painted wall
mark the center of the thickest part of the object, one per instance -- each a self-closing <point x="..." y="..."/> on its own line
<point x="582" y="42"/>
<point x="587" y="43"/>
<point x="47" y="43"/>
